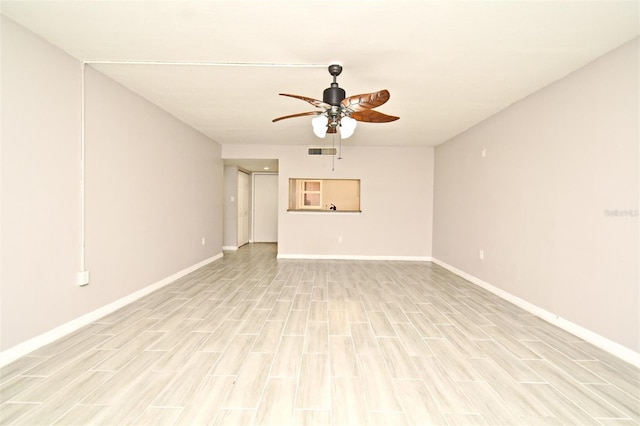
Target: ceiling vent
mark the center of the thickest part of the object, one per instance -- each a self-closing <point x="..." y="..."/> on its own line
<point x="323" y="151"/>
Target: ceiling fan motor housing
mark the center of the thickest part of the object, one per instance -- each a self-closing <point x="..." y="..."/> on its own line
<point x="333" y="95"/>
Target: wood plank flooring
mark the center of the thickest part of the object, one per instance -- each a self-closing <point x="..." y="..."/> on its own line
<point x="252" y="340"/>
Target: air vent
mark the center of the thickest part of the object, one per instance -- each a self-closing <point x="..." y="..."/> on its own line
<point x="323" y="151"/>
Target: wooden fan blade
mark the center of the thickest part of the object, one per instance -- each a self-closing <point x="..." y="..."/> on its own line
<point x="302" y="114"/>
<point x="366" y="101"/>
<point x="312" y="101"/>
<point x="371" y="116"/>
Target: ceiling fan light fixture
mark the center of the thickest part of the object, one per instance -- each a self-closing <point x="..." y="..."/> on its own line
<point x="319" y="125"/>
<point x="347" y="127"/>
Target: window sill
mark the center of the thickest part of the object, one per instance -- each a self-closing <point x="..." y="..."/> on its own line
<point x="322" y="211"/>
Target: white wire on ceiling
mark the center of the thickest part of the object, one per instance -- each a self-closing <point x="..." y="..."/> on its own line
<point x="207" y="64"/>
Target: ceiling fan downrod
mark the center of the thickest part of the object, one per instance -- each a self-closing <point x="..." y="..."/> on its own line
<point x="334" y="95"/>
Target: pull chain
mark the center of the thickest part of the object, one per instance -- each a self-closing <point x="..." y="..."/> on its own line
<point x="333" y="156"/>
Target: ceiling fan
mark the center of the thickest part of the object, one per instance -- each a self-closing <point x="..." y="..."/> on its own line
<point x="340" y="112"/>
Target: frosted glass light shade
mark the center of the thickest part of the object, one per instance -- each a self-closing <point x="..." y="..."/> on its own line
<point x="319" y="124"/>
<point x="347" y="127"/>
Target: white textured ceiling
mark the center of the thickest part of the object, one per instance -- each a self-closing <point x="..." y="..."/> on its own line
<point x="447" y="64"/>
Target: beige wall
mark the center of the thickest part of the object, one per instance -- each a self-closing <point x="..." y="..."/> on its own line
<point x="153" y="190"/>
<point x="40" y="197"/>
<point x="396" y="201"/>
<point x="344" y="194"/>
<point x="556" y="163"/>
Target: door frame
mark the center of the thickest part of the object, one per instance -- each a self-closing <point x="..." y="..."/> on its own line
<point x="247" y="199"/>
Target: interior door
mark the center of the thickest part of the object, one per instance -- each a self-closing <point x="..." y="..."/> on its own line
<point x="243" y="208"/>
<point x="265" y="208"/>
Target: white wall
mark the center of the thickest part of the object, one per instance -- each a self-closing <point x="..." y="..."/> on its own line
<point x="396" y="202"/>
<point x="556" y="163"/>
<point x="153" y="185"/>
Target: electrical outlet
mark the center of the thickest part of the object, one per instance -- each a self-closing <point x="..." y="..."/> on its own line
<point x="340" y="239"/>
<point x="484" y="153"/>
<point x="481" y="254"/>
<point x="203" y="241"/>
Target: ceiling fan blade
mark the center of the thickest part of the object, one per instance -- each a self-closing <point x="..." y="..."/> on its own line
<point x="371" y="116"/>
<point x="312" y="101"/>
<point x="366" y="101"/>
<point x="302" y="114"/>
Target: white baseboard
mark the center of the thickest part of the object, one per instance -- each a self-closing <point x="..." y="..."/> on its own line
<point x="230" y="248"/>
<point x="350" y="257"/>
<point x="610" y="346"/>
<point x="34" y="343"/>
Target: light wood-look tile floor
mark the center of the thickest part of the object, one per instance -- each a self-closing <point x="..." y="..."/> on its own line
<point x="252" y="340"/>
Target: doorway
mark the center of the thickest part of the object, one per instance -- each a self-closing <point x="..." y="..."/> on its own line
<point x="265" y="207"/>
